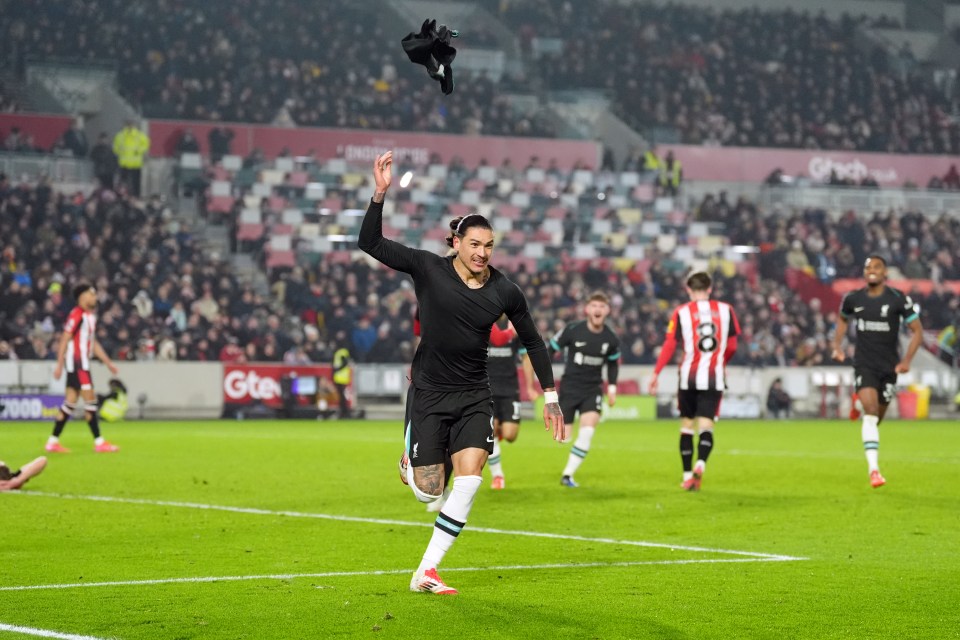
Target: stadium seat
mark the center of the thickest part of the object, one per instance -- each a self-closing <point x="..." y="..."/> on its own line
<point x="220" y="188"/>
<point x="220" y="204"/>
<point x="277" y="259"/>
<point x="191" y="161"/>
<point x="232" y="162"/>
<point x="250" y="231"/>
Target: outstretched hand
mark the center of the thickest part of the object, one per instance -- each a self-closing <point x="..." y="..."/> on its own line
<point x="383" y="171"/>
<point x="553" y="421"/>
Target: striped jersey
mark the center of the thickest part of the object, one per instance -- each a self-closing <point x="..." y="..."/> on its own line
<point x="703" y="327"/>
<point x="81" y="326"/>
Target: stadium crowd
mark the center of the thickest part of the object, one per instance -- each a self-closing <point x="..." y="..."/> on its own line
<point x="160" y="298"/>
<point x="749" y="78"/>
<point x="745" y="78"/>
<point x="262" y="61"/>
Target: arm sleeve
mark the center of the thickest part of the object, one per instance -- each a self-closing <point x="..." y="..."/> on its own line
<point x="558" y="341"/>
<point x="846" y="307"/>
<point x="731" y="349"/>
<point x="910" y="311"/>
<point x="669" y="345"/>
<point x="519" y="315"/>
<point x="613" y="363"/>
<point x="393" y="254"/>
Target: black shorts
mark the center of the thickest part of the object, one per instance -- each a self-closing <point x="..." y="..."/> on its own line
<point x="506" y="409"/>
<point x="697" y="403"/>
<point x="79" y="379"/>
<point x="885" y="382"/>
<point x="439" y="423"/>
<point x="580" y="401"/>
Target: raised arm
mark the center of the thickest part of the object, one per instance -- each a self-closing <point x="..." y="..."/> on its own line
<point x="371" y="241"/>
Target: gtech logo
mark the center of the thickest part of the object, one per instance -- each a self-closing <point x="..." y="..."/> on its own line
<point x="241" y="385"/>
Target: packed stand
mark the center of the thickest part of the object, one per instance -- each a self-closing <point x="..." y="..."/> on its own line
<point x="263" y="61"/>
<point x="743" y="78"/>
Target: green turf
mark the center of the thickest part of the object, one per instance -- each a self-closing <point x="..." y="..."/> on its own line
<point x="876" y="563"/>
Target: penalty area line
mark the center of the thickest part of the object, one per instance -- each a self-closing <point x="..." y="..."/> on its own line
<point x="44" y="633"/>
<point x="380" y="572"/>
<point x="407" y="523"/>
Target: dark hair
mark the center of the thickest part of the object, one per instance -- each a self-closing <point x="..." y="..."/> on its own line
<point x="699" y="281"/>
<point x="599" y="296"/>
<point x="874" y="256"/>
<point x="459" y="226"/>
<point x="81" y="289"/>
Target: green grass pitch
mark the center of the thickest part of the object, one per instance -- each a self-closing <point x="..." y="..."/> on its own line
<point x="303" y="530"/>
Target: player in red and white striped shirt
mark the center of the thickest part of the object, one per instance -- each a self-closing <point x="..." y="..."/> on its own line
<point x="78" y="346"/>
<point x="708" y="331"/>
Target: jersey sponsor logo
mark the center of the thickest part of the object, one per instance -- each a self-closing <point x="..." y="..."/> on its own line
<point x="591" y="361"/>
<point x="872" y="325"/>
<point x="499" y="352"/>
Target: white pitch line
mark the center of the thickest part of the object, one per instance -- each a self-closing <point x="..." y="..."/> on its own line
<point x="406" y="523"/>
<point x="381" y="572"/>
<point x="44" y="633"/>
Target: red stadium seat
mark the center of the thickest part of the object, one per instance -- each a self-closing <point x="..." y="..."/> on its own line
<point x="220" y="204"/>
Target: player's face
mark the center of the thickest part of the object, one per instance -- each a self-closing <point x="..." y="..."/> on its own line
<point x="88" y="300"/>
<point x="475" y="248"/>
<point x="874" y="271"/>
<point x="597" y="312"/>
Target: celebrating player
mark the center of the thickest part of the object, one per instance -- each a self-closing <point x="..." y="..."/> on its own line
<point x="708" y="330"/>
<point x="877" y="310"/>
<point x="449" y="405"/>
<point x="589" y="344"/>
<point x="78" y="344"/>
<point x="502" y="357"/>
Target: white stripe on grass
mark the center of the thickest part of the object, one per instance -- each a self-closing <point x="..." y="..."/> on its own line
<point x="44" y="633"/>
<point x="383" y="572"/>
<point x="405" y="523"/>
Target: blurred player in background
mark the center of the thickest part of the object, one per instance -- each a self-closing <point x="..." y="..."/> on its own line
<point x="78" y="346"/>
<point x="877" y="311"/>
<point x="708" y="330"/>
<point x="449" y="408"/>
<point x="589" y="345"/>
<point x="502" y="355"/>
<point x="10" y="480"/>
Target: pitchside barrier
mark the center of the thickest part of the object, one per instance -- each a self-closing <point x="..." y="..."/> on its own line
<point x="192" y="390"/>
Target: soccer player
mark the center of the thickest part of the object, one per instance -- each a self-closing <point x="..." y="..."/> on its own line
<point x="589" y="344"/>
<point x="877" y="311"/>
<point x="78" y="344"/>
<point x="449" y="408"/>
<point x="708" y="330"/>
<point x="10" y="480"/>
<point x="502" y="357"/>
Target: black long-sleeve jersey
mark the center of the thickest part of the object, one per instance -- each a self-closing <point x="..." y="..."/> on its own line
<point x="587" y="353"/>
<point x="455" y="319"/>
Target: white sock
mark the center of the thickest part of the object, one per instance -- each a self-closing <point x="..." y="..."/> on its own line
<point x="451" y="521"/>
<point x="700" y="466"/>
<point x="496" y="469"/>
<point x="53" y="440"/>
<point x="579" y="451"/>
<point x="98" y="441"/>
<point x="871" y="441"/>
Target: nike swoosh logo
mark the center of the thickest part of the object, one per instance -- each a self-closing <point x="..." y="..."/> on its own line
<point x="857" y="309"/>
<point x="490" y="439"/>
<point x="579" y="344"/>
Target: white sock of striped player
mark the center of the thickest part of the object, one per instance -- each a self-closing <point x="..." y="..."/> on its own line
<point x="579" y="451"/>
<point x="451" y="520"/>
<point x="496" y="469"/>
<point x="871" y="441"/>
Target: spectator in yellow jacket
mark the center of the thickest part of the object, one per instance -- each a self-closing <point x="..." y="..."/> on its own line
<point x="130" y="146"/>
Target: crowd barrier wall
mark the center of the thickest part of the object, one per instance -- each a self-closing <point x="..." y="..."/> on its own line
<point x="196" y="390"/>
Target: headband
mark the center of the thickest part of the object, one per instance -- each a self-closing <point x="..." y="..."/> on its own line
<point x="460" y="224"/>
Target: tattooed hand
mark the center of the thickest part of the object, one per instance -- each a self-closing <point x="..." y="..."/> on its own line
<point x="553" y="421"/>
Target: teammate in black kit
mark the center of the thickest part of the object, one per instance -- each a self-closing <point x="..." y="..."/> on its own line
<point x="589" y="344"/>
<point x="502" y="357"/>
<point x="876" y="311"/>
<point x="449" y="407"/>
